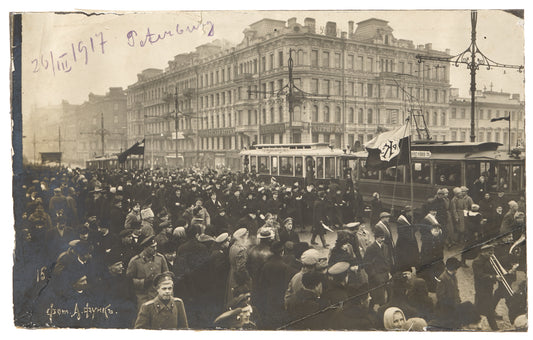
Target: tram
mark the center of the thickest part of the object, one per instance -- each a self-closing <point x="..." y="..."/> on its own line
<point x="434" y="164"/>
<point x="132" y="162"/>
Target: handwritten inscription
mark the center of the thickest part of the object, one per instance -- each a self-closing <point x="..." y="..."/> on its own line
<point x="76" y="53"/>
<point x="86" y="312"/>
<point x="151" y="38"/>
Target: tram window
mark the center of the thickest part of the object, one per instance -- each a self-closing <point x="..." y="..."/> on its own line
<point x="472" y="172"/>
<point x="253" y="163"/>
<point x="319" y="167"/>
<point x="516" y="178"/>
<point x="298" y="166"/>
<point x="366" y="173"/>
<point x="285" y="166"/>
<point x="264" y="165"/>
<point x="330" y="167"/>
<point x="421" y="173"/>
<point x="394" y="174"/>
<point x="503" y="178"/>
<point x="274" y="167"/>
<point x="448" y="174"/>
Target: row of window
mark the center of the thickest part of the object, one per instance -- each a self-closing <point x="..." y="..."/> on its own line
<point x="461" y="113"/>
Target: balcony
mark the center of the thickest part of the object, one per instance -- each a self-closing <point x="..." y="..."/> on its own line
<point x="219" y="132"/>
<point x="246" y="129"/>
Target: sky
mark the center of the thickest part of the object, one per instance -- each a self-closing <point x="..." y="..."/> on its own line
<point x="119" y="60"/>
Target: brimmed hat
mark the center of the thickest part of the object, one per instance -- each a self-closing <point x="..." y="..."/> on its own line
<point x="147" y="241"/>
<point x="338" y="268"/>
<point x="265" y="233"/>
<point x="352" y="225"/>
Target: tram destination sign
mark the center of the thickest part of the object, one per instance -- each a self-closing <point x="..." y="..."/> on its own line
<point x="420" y="154"/>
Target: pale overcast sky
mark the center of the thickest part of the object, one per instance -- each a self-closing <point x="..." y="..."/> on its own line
<point x="500" y="37"/>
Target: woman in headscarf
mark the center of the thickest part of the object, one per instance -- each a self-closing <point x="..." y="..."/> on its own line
<point x="393" y="319"/>
<point x="239" y="279"/>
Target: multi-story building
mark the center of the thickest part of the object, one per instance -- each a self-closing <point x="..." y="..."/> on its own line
<point x="101" y="122"/>
<point x="489" y="105"/>
<point x="353" y="85"/>
<point x="51" y="128"/>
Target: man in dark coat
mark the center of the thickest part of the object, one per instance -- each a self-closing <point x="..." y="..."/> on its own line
<point x="273" y="280"/>
<point x="378" y="265"/>
<point x="320" y="214"/>
<point x="448" y="291"/>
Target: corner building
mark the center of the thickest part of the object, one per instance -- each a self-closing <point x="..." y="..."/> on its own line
<point x="355" y="84"/>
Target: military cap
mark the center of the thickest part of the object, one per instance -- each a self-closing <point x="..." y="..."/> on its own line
<point x="222" y="238"/>
<point x="57" y="190"/>
<point x="162" y="277"/>
<point x="338" y="268"/>
<point x="475" y="207"/>
<point x="112" y="257"/>
<point x="147" y="241"/>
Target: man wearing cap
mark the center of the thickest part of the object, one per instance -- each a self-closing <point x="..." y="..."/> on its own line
<point x="143" y="268"/>
<point x="336" y="286"/>
<point x="378" y="266"/>
<point x="484" y="279"/>
<point x="447" y="290"/>
<point x="309" y="261"/>
<point x="384" y="225"/>
<point x="164" y="311"/>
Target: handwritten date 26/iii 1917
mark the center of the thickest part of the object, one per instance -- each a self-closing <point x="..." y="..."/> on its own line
<point x="76" y="52"/>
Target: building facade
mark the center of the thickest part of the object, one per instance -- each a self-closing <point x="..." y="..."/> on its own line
<point x="489" y="105"/>
<point x="102" y="123"/>
<point x="350" y="85"/>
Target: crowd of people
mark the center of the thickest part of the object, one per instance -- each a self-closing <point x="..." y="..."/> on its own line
<point x="215" y="249"/>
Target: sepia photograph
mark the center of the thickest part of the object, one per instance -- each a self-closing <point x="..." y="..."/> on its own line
<point x="325" y="170"/>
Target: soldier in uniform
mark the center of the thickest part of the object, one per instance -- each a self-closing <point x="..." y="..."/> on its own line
<point x="143" y="268"/>
<point x="164" y="311"/>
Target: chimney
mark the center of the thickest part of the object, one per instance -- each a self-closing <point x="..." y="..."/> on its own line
<point x="344" y="35"/>
<point x="350" y="29"/>
<point x="291" y="22"/>
<point x="429" y="46"/>
<point x="310" y="23"/>
<point x="331" y="29"/>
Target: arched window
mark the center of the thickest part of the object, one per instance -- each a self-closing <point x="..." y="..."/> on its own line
<point x="337" y="114"/>
<point x="351" y="115"/>
<point x="326" y="114"/>
<point x="369" y="116"/>
<point x="315" y="113"/>
<point x="360" y="116"/>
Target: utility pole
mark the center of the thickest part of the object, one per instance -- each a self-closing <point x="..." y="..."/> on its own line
<point x="102" y="132"/>
<point x="473" y="58"/>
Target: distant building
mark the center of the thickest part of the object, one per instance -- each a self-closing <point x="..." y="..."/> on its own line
<point x="76" y="130"/>
<point x="364" y="80"/>
<point x="102" y="111"/>
<point x="489" y="104"/>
